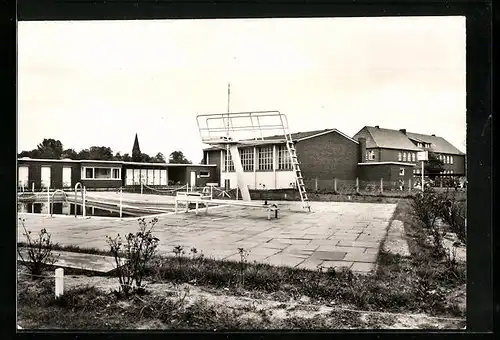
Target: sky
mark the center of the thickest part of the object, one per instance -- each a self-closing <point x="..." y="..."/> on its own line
<point x="99" y="83"/>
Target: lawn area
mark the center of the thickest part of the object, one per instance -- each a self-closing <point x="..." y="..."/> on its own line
<point x="194" y="292"/>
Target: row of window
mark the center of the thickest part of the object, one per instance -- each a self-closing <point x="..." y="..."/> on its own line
<point x="265" y="159"/>
<point x="407" y="156"/>
<point x="101" y="173"/>
<point x="446" y="159"/>
<point x="447" y="172"/>
<point x="424" y="145"/>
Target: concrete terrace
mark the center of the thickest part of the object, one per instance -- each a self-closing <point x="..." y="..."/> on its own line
<point x="334" y="234"/>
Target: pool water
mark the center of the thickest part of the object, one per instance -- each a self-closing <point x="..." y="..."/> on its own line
<point x="67" y="209"/>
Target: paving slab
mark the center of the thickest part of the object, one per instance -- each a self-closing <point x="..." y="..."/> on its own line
<point x="331" y="227"/>
<point x="85" y="262"/>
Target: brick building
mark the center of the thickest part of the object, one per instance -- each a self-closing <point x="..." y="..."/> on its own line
<point x="387" y="145"/>
<point x="65" y="173"/>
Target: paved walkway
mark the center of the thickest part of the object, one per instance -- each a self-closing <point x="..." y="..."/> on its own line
<point x="334" y="234"/>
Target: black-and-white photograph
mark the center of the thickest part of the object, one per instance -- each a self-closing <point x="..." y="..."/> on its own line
<point x="242" y="174"/>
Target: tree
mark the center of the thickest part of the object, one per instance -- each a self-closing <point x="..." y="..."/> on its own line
<point x="433" y="166"/>
<point x="159" y="158"/>
<point x="126" y="158"/>
<point x="69" y="153"/>
<point x="50" y="149"/>
<point x="136" y="150"/>
<point x="177" y="157"/>
<point x="101" y="153"/>
<point x="84" y="154"/>
<point x="145" y="158"/>
<point x="31" y="154"/>
<point x="118" y="157"/>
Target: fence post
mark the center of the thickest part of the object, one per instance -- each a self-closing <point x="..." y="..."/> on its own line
<point x="84" y="210"/>
<point x="335" y="184"/>
<point x="59" y="282"/>
<point x="33" y="187"/>
<point x="316" y="184"/>
<point x="48" y="201"/>
<point x="142" y="184"/>
<point x="409" y="185"/>
<point x="121" y="200"/>
<point x="357" y="185"/>
<point x="381" y="185"/>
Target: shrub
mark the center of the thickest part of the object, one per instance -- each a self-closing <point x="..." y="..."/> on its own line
<point x="452" y="211"/>
<point x="426" y="209"/>
<point x="40" y="251"/>
<point x="138" y="251"/>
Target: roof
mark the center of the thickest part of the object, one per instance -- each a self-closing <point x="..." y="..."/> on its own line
<point x="395" y="139"/>
<point x="296" y="137"/>
<point x="67" y="160"/>
<point x="387" y="163"/>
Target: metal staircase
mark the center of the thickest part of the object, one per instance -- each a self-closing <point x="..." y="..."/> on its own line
<point x="298" y="173"/>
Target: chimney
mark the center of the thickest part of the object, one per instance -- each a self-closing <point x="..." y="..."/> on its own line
<point x="377" y="127"/>
<point x="362" y="150"/>
<point x="403" y="131"/>
<point x="433" y="135"/>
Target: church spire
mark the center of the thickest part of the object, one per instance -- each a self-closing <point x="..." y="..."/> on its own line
<point x="136" y="150"/>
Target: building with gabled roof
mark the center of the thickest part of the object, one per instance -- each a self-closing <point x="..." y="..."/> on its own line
<point x="385" y="145"/>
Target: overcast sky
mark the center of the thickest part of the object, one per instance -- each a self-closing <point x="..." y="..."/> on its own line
<point x="100" y="82"/>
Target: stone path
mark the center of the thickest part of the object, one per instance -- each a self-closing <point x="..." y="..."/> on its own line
<point x="87" y="262"/>
<point x="334" y="234"/>
<point x="395" y="242"/>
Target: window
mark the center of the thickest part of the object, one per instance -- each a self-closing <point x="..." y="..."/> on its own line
<point x="371" y="155"/>
<point x="399" y="156"/>
<point x="413" y="157"/>
<point x="89" y="172"/>
<point x="266" y="158"/>
<point x="447" y="159"/>
<point x="451" y="159"/>
<point x="101" y="173"/>
<point x="366" y="156"/>
<point x="247" y="159"/>
<point x="228" y="161"/>
<point x="204" y="173"/>
<point x="404" y="156"/>
<point x="419" y="145"/>
<point x="401" y="171"/>
<point x="284" y="162"/>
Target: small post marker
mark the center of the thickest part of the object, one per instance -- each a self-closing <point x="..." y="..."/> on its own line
<point x="381" y="185"/>
<point x="357" y="185"/>
<point x="48" y="201"/>
<point x="59" y="282"/>
<point x="121" y="199"/>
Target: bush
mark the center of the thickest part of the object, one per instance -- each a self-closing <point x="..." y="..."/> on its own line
<point x="452" y="212"/>
<point x="138" y="251"/>
<point x="427" y="209"/>
<point x="40" y="251"/>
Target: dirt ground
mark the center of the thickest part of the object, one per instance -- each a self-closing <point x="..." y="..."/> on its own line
<point x="276" y="309"/>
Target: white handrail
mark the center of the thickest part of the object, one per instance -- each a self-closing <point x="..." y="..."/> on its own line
<point x="65" y="198"/>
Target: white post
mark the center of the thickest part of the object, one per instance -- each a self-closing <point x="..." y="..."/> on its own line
<point x="335" y="184"/>
<point x="237" y="193"/>
<point x="422" y="176"/>
<point x="83" y="206"/>
<point x="381" y="185"/>
<point x="409" y="185"/>
<point x="33" y="187"/>
<point x="357" y="185"/>
<point x="59" y="282"/>
<point x="48" y="201"/>
<point x="142" y="183"/>
<point x="316" y="184"/>
<point x="121" y="200"/>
